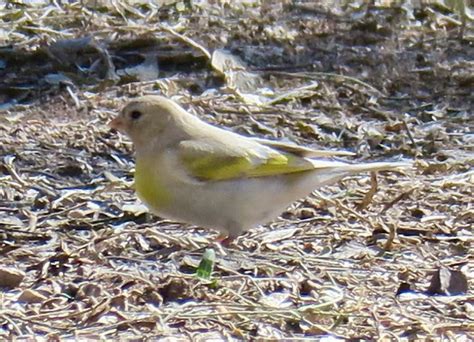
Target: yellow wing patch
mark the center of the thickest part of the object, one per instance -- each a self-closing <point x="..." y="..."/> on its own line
<point x="211" y="163"/>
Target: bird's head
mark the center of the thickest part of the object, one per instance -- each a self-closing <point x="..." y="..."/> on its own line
<point x="148" y="118"/>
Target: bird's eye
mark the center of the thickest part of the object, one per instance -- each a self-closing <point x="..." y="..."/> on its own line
<point x="135" y="114"/>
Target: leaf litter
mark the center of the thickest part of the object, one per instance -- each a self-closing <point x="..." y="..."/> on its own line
<point x="370" y="257"/>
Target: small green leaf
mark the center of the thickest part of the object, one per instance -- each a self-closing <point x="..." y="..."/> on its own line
<point x="206" y="266"/>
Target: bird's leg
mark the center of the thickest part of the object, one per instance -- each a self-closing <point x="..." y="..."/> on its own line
<point x="233" y="230"/>
<point x="225" y="240"/>
<point x="221" y="243"/>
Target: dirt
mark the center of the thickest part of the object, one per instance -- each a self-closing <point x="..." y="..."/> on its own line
<point x="367" y="258"/>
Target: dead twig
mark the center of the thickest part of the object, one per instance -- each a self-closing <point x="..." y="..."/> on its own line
<point x="370" y="194"/>
<point x="187" y="40"/>
<point x="397" y="199"/>
<point x="410" y="136"/>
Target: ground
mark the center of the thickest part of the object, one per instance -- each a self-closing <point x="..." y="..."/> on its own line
<point x="372" y="257"/>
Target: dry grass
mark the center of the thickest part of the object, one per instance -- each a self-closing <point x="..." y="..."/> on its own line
<point x="90" y="263"/>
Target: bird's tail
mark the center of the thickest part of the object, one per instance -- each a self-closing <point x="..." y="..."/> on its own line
<point x="378" y="166"/>
<point x="328" y="172"/>
<point x="355" y="168"/>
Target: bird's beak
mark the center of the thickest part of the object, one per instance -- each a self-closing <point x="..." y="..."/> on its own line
<point x="117" y="124"/>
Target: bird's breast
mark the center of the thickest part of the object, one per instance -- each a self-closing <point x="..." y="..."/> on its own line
<point x="148" y="185"/>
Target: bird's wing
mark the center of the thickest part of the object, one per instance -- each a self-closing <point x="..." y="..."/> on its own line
<point x="208" y="160"/>
<point x="300" y="150"/>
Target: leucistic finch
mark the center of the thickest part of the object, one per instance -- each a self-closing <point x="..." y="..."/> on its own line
<point x="190" y="171"/>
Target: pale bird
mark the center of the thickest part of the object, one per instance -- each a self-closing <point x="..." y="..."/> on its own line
<point x="193" y="172"/>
